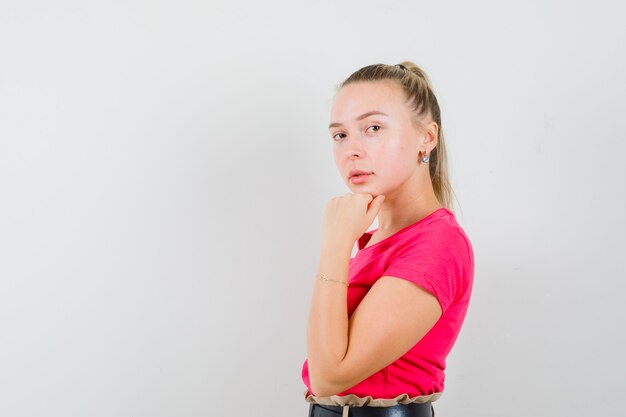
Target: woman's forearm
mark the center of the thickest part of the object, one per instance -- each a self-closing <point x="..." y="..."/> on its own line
<point x="327" y="333"/>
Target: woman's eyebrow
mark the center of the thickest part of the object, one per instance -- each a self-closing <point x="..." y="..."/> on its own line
<point x="361" y="117"/>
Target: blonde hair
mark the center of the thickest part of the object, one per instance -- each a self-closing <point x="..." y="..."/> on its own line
<point x="418" y="89"/>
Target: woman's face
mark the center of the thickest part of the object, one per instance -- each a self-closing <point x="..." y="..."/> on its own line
<point x="372" y="130"/>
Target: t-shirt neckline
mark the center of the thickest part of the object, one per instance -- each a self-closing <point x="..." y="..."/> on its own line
<point x="371" y="232"/>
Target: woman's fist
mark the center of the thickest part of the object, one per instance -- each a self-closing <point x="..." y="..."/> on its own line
<point x="347" y="217"/>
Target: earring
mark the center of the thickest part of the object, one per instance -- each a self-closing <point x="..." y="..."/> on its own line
<point x="425" y="158"/>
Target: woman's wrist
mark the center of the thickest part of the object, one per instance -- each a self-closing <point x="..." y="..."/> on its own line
<point x="333" y="262"/>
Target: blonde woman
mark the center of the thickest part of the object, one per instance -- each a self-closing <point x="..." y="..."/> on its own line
<point x="382" y="323"/>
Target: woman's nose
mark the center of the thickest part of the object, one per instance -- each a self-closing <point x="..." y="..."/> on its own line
<point x="354" y="148"/>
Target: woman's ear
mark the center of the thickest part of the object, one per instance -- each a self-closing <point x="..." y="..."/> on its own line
<point x="431" y="135"/>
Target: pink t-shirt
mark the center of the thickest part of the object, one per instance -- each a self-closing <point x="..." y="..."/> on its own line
<point x="435" y="254"/>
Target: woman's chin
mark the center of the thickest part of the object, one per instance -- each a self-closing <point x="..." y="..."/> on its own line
<point x="356" y="188"/>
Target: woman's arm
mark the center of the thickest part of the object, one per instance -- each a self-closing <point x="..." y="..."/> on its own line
<point x="327" y="333"/>
<point x="393" y="316"/>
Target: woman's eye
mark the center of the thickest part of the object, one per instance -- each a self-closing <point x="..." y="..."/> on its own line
<point x="338" y="134"/>
<point x="374" y="126"/>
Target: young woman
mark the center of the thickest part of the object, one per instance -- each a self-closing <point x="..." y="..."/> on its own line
<point x="381" y="323"/>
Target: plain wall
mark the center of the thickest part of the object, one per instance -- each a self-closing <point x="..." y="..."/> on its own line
<point x="164" y="167"/>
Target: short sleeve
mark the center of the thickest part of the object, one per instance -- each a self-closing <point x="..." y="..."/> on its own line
<point x="434" y="260"/>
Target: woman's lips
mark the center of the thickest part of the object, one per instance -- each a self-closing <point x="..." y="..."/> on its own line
<point x="358" y="179"/>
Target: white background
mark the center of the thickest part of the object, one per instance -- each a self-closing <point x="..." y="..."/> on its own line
<point x="164" y="167"/>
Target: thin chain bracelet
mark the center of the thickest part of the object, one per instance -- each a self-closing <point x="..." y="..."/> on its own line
<point x="334" y="280"/>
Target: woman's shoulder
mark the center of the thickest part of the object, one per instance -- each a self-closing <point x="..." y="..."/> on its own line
<point x="442" y="222"/>
<point x="454" y="229"/>
<point x="440" y="237"/>
<point x="437" y="256"/>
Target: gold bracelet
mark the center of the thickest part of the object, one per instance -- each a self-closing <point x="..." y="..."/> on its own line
<point x="334" y="280"/>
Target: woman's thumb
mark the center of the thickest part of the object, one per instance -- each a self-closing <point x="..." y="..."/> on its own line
<point x="376" y="203"/>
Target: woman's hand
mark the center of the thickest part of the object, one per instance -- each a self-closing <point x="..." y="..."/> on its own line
<point x="347" y="217"/>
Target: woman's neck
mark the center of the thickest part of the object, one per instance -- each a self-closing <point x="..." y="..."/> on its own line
<point x="407" y="205"/>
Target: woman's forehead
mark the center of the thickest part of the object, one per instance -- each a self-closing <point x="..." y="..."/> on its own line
<point x="360" y="97"/>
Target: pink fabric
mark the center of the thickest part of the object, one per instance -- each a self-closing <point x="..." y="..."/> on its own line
<point x="435" y="254"/>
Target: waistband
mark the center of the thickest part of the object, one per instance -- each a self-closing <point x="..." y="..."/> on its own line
<point x="351" y="400"/>
<point x="398" y="410"/>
